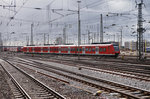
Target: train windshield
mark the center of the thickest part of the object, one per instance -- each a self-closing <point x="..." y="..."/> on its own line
<point x="116" y="48"/>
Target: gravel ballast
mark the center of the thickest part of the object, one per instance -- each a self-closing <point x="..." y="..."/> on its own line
<point x="5" y="91"/>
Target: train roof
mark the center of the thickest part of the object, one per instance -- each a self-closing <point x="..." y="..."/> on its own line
<point x="72" y="45"/>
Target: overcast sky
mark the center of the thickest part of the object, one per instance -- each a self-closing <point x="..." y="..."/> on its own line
<point x="54" y="15"/>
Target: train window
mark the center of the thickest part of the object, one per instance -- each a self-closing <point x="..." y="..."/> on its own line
<point x="116" y="48"/>
<point x="78" y="49"/>
<point x="104" y="49"/>
<point x="96" y="49"/>
<point x="59" y="49"/>
<point x="82" y="49"/>
<point x="93" y="49"/>
<point x="89" y="49"/>
<point x="66" y="49"/>
<point x="101" y="49"/>
<point x="45" y="49"/>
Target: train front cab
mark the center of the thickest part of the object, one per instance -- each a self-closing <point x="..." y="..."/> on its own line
<point x="116" y="50"/>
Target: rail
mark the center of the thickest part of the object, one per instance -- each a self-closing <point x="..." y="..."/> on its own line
<point x="49" y="90"/>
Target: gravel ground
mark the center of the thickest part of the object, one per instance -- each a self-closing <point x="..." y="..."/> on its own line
<point x="116" y="78"/>
<point x="5" y="91"/>
<point x="67" y="90"/>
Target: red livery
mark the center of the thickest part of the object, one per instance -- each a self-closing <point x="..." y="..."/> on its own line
<point x="12" y="48"/>
<point x="93" y="49"/>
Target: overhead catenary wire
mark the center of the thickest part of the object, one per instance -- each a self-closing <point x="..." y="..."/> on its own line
<point x="17" y="11"/>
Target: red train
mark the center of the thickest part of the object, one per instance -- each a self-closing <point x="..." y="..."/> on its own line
<point x="12" y="48"/>
<point x="94" y="49"/>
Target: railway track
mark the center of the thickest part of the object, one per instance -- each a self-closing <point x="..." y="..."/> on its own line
<point x="17" y="90"/>
<point x="129" y="68"/>
<point x="108" y="59"/>
<point x="124" y="91"/>
<point x="26" y="86"/>
<point x="107" y="69"/>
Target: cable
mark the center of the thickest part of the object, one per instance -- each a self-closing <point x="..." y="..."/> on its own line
<point x="4" y="2"/>
<point x="17" y="11"/>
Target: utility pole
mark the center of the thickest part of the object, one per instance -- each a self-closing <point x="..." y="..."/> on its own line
<point x="79" y="24"/>
<point x="44" y="39"/>
<point x="84" y="37"/>
<point x="114" y="37"/>
<point x="1" y="41"/>
<point x="49" y="19"/>
<point x="121" y="37"/>
<point x="27" y="38"/>
<point x="118" y="36"/>
<point x="94" y="37"/>
<point x="98" y="33"/>
<point x="79" y="29"/>
<point x="88" y="37"/>
<point x="64" y="35"/>
<point x="31" y="35"/>
<point x="48" y="39"/>
<point x="140" y="30"/>
<point x="101" y="28"/>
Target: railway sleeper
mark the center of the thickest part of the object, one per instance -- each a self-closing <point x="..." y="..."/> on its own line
<point x="45" y="95"/>
<point x="145" y="97"/>
<point x="19" y="97"/>
<point x="130" y="95"/>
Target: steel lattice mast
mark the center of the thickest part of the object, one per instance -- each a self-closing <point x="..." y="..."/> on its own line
<point x="140" y="30"/>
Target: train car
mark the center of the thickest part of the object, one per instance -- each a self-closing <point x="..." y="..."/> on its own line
<point x="12" y="48"/>
<point x="5" y="49"/>
<point x="93" y="49"/>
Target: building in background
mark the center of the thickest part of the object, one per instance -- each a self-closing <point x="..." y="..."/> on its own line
<point x="132" y="45"/>
<point x="127" y="45"/>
